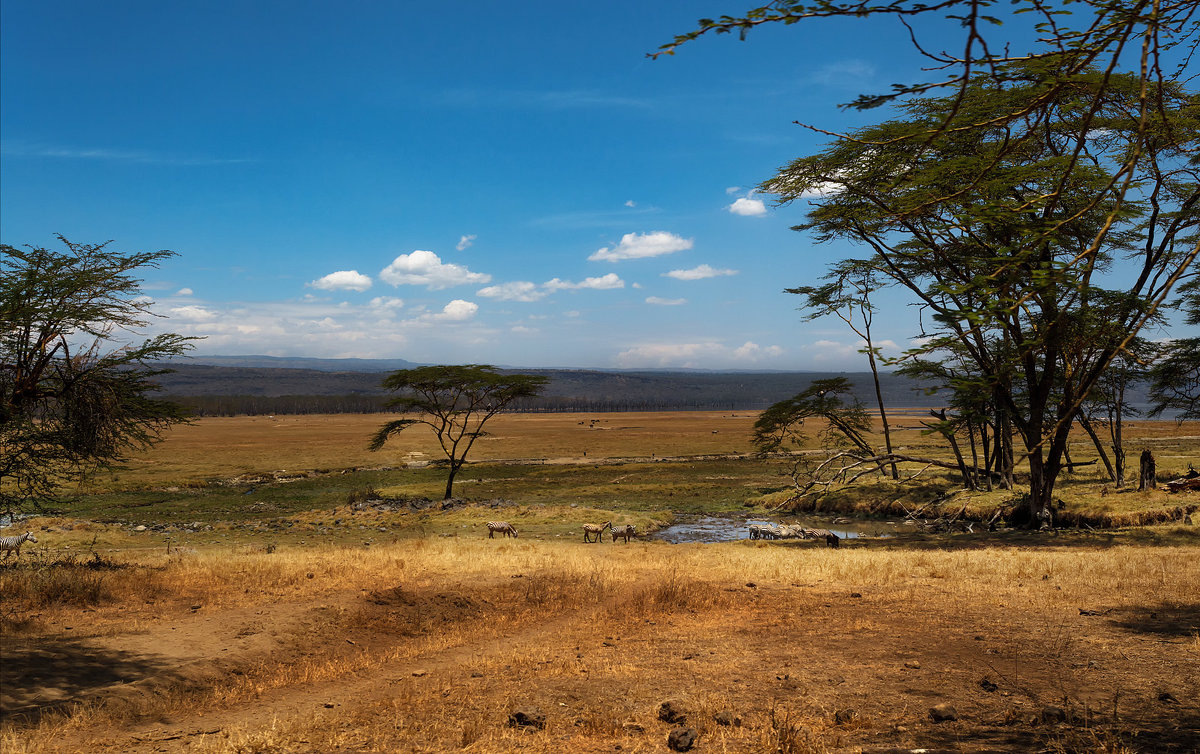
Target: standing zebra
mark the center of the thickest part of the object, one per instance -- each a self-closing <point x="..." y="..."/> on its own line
<point x="503" y="527"/>
<point x="626" y="531"/>
<point x="13" y="543"/>
<point x="593" y="529"/>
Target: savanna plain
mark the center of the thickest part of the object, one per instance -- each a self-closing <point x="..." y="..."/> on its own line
<point x="266" y="584"/>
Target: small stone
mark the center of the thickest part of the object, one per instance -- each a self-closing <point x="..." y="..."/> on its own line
<point x="671" y="711"/>
<point x="727" y="718"/>
<point x="527" y="717"/>
<point x="310" y="575"/>
<point x="329" y="705"/>
<point x="682" y="739"/>
<point x="139" y="527"/>
<point x="912" y="665"/>
<point x="632" y="726"/>
<point x="941" y="713"/>
<point x="987" y="685"/>
<point x="419" y="673"/>
<point x="845" y="716"/>
<point x="856" y="595"/>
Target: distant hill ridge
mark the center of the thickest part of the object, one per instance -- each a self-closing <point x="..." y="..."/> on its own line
<point x="568" y="389"/>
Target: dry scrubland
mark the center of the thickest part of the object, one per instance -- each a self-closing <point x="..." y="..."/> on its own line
<point x="417" y="642"/>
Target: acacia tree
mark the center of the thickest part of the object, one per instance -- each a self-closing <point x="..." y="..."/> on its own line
<point x="455" y="402"/>
<point x="847" y="296"/>
<point x="71" y="401"/>
<point x="1175" y="378"/>
<point x="1006" y="250"/>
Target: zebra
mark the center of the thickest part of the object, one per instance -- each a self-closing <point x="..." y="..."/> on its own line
<point x="626" y="531"/>
<point x="758" y="531"/>
<point x="503" y="527"/>
<point x="13" y="543"/>
<point x="831" y="539"/>
<point x="593" y="529"/>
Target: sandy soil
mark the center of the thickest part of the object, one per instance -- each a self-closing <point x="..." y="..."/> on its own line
<point x="797" y="666"/>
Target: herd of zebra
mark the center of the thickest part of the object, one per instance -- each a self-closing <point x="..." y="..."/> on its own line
<point x="591" y="532"/>
<point x="792" y="531"/>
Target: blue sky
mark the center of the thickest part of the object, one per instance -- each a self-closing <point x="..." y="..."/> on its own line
<point x="505" y="183"/>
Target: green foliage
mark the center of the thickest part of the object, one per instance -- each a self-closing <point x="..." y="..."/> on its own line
<point x="455" y="402"/>
<point x="1175" y="379"/>
<point x="1007" y="235"/>
<point x="71" y="399"/>
<point x="780" y="425"/>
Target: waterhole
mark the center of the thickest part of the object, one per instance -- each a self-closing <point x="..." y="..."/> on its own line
<point x="723" y="529"/>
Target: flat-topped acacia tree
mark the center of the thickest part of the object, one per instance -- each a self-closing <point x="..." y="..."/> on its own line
<point x="455" y="402"/>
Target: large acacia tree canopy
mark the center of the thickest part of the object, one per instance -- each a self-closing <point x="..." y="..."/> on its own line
<point x="72" y="400"/>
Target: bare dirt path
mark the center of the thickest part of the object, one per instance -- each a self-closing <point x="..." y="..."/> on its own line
<point x="871" y="659"/>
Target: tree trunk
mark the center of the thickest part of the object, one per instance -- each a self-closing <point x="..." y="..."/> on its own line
<point x="887" y="433"/>
<point x="1087" y="427"/>
<point x="1146" y="477"/>
<point x="943" y="428"/>
<point x="450" y="480"/>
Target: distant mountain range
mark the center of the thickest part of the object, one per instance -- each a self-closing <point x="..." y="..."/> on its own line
<point x="586" y="389"/>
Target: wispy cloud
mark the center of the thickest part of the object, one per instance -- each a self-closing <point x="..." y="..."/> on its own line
<point x="695" y="355"/>
<point x="559" y="99"/>
<point x="519" y="290"/>
<point x="602" y="283"/>
<point x="32" y="151"/>
<point x="658" y="301"/>
<point x="699" y="273"/>
<point x="465" y="242"/>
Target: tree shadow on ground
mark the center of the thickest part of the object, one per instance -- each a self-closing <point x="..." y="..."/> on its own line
<point x="52" y="673"/>
<point x="1059" y="538"/>
<point x="1162" y="728"/>
<point x="1166" y="620"/>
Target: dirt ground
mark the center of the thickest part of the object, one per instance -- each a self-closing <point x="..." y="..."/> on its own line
<point x="828" y="659"/>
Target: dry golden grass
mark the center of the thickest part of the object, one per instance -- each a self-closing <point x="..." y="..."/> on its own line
<point x="428" y="644"/>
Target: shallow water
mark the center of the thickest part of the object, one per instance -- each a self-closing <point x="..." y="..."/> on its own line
<point x="722" y="529"/>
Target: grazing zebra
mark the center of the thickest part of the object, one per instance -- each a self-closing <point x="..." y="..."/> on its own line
<point x="758" y="531"/>
<point x="13" y="543"/>
<point x="593" y="529"/>
<point x="626" y="531"/>
<point x="831" y="539"/>
<point x="503" y="527"/>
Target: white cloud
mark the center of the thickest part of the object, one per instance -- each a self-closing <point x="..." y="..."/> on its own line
<point x="342" y="280"/>
<point x="184" y="292"/>
<point x="696" y="355"/>
<point x="748" y="207"/>
<point x="733" y="190"/>
<point x="386" y="303"/>
<point x="750" y="351"/>
<point x="193" y="314"/>
<point x="822" y="189"/>
<point x="457" y="310"/>
<point x="425" y="268"/>
<point x="699" y="273"/>
<point x="630" y="203"/>
<point x="465" y="242"/>
<point x="639" y="246"/>
<point x="665" y="301"/>
<point x="514" y="291"/>
<point x="602" y="283"/>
